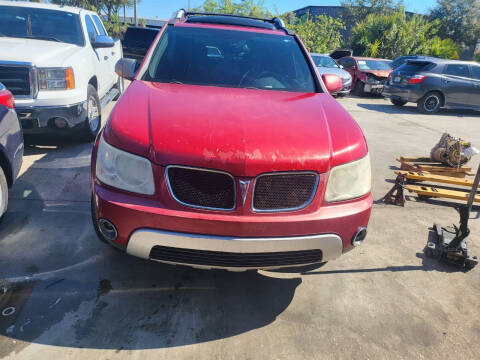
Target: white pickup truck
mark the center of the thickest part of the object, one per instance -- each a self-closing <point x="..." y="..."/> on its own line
<point x="59" y="63"/>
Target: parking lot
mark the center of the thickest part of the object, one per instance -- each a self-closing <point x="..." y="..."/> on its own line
<point x="76" y="297"/>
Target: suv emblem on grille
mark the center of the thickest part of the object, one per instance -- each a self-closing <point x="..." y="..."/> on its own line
<point x="244" y="184"/>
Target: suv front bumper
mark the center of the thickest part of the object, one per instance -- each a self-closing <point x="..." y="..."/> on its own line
<point x="41" y="119"/>
<point x="141" y="224"/>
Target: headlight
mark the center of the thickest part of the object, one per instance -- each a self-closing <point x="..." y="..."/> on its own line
<point x="123" y="170"/>
<point x="349" y="181"/>
<point x="56" y="79"/>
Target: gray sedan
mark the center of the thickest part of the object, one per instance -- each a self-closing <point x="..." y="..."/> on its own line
<point x="11" y="146"/>
<point x="326" y="65"/>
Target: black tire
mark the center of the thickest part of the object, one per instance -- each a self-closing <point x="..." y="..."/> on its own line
<point x="359" y="88"/>
<point x="398" y="103"/>
<point x="119" y="87"/>
<point x="93" y="122"/>
<point x="430" y="103"/>
<point x="3" y="193"/>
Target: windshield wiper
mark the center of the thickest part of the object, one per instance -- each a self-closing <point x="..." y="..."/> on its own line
<point x="175" y="82"/>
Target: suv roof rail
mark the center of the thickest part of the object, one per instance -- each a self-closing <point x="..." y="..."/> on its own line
<point x="277" y="22"/>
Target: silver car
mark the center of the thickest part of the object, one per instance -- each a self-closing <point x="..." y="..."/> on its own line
<point x="326" y="65"/>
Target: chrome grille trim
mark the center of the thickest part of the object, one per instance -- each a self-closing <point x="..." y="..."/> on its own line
<point x="33" y="75"/>
<point x="308" y="202"/>
<point x="206" y="170"/>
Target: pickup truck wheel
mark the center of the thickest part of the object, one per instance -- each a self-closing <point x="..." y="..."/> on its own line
<point x="359" y="88"/>
<point x="93" y="122"/>
<point x="3" y="193"/>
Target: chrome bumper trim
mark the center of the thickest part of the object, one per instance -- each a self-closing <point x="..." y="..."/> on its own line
<point x="142" y="241"/>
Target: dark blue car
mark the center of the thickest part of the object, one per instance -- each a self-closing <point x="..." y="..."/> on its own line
<point x="11" y="146"/>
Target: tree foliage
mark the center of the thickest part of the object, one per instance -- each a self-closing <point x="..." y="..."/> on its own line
<point x="105" y="7"/>
<point x="243" y="7"/>
<point x="320" y="34"/>
<point x="390" y="35"/>
<point x="357" y="10"/>
<point x="459" y="20"/>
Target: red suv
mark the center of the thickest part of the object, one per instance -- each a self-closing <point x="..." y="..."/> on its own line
<point x="369" y="75"/>
<point x="227" y="151"/>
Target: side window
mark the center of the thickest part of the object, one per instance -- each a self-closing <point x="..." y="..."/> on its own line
<point x="90" y="28"/>
<point x="350" y="63"/>
<point x="476" y="72"/>
<point x="98" y="22"/>
<point x="457" y="70"/>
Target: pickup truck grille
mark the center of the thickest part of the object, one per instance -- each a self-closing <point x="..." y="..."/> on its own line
<point x="201" y="188"/>
<point x="284" y="191"/>
<point x="16" y="79"/>
<point x="235" y="260"/>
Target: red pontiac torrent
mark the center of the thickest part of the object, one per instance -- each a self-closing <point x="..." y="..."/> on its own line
<point x="227" y="151"/>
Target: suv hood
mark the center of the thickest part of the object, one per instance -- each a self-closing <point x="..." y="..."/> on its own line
<point x="242" y="131"/>
<point x="39" y="52"/>
<point x="335" y="71"/>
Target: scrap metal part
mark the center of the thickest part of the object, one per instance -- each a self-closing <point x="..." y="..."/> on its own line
<point x="452" y="151"/>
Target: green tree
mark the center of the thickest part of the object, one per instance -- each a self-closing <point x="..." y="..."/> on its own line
<point x="319" y="34"/>
<point x="459" y="20"/>
<point x="357" y="10"/>
<point x="393" y="34"/>
<point x="243" y="7"/>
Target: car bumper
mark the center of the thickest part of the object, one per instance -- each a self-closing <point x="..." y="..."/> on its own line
<point x="41" y="119"/>
<point x="142" y="224"/>
<point x="402" y="93"/>
<point x="373" y="88"/>
<point x="233" y="253"/>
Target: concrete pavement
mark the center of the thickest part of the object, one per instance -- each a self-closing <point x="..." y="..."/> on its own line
<point x="75" y="297"/>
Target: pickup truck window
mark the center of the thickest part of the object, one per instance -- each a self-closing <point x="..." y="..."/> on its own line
<point x="92" y="32"/>
<point x="40" y="24"/>
<point x="101" y="30"/>
<point x="240" y="59"/>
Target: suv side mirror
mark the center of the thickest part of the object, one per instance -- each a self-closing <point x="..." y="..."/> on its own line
<point x="103" y="41"/>
<point x="126" y="68"/>
<point x="333" y="83"/>
<point x="353" y="67"/>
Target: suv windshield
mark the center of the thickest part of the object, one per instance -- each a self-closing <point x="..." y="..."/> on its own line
<point x="229" y="58"/>
<point x="372" y="65"/>
<point x="324" y="61"/>
<point x="41" y="24"/>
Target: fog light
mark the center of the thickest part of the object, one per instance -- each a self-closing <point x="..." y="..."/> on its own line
<point x="107" y="229"/>
<point x="360" y="236"/>
<point x="60" y="123"/>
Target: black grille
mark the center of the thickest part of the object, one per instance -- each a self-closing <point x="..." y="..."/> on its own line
<point x="227" y="259"/>
<point x="16" y="79"/>
<point x="202" y="188"/>
<point x="283" y="191"/>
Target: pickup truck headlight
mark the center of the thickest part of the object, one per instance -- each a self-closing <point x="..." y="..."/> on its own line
<point x="123" y="170"/>
<point x="349" y="181"/>
<point x="56" y="79"/>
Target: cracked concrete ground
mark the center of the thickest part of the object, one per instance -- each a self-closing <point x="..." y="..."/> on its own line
<point x="74" y="297"/>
